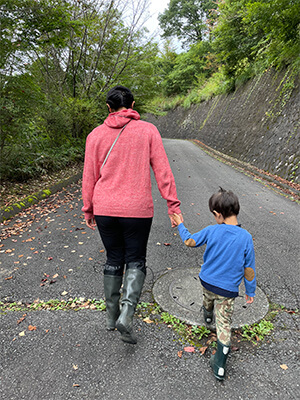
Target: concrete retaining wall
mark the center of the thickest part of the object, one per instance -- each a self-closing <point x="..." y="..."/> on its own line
<point x="258" y="123"/>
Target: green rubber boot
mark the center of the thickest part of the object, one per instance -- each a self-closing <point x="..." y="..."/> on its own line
<point x="208" y="315"/>
<point x="132" y="288"/>
<point x="112" y="285"/>
<point x="218" y="361"/>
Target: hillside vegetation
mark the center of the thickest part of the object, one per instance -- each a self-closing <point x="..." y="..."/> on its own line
<point x="59" y="58"/>
<point x="240" y="39"/>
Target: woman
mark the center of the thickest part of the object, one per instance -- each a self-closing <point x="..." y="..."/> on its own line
<point x="117" y="198"/>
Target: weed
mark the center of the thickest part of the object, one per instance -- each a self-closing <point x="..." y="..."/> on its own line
<point x="200" y="331"/>
<point x="257" y="331"/>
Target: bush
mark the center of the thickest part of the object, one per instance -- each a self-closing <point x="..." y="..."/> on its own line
<point x="23" y="163"/>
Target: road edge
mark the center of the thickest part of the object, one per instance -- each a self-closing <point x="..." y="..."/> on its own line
<point x="288" y="188"/>
<point x="11" y="211"/>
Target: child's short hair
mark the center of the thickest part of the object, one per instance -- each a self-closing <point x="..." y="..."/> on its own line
<point x="224" y="202"/>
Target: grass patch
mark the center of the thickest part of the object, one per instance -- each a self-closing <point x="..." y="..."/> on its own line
<point x="199" y="336"/>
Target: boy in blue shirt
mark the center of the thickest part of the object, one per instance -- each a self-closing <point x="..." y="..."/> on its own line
<point x="228" y="258"/>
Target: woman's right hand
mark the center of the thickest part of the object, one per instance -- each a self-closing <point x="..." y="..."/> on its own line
<point x="91" y="223"/>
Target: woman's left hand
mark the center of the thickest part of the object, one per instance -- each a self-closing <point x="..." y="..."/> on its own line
<point x="176" y="219"/>
<point x="91" y="223"/>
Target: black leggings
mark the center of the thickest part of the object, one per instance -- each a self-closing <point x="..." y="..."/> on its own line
<point x="125" y="239"/>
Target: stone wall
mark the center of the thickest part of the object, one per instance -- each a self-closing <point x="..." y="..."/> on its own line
<point x="259" y="123"/>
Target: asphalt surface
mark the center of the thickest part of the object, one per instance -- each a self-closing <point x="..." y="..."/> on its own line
<point x="48" y="253"/>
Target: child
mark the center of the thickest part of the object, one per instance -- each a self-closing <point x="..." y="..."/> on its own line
<point x="228" y="258"/>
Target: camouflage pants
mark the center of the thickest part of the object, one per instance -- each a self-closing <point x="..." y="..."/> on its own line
<point x="223" y="307"/>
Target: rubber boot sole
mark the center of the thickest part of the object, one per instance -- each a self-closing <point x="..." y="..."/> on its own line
<point x="126" y="335"/>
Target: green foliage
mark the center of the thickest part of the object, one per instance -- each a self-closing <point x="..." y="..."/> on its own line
<point x="264" y="33"/>
<point x="57" y="61"/>
<point x="189" y="70"/>
<point x="200" y="331"/>
<point x="257" y="331"/>
<point x="246" y="37"/>
<point x="34" y="159"/>
<point x="59" y="58"/>
<point x="187" y="19"/>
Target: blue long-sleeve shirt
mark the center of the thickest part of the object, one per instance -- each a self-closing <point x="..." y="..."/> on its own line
<point x="228" y="258"/>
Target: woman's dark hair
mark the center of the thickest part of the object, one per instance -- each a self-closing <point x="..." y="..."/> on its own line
<point x="119" y="96"/>
<point x="224" y="202"/>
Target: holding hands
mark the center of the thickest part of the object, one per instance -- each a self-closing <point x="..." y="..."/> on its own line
<point x="176" y="219"/>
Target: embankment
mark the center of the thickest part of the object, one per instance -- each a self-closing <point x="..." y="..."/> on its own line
<point x="258" y="124"/>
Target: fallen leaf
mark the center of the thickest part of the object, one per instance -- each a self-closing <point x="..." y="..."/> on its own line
<point x="55" y="276"/>
<point x="76" y="385"/>
<point x="31" y="328"/>
<point x="22" y="333"/>
<point x="167" y="244"/>
<point x="148" y="320"/>
<point x="284" y="366"/>
<point x="10" y="277"/>
<point x="189" y="349"/>
<point x="75" y="367"/>
<point x="64" y="293"/>
<point x="50" y="258"/>
<point x="102" y="251"/>
<point x="203" y="349"/>
<point x="21" y="319"/>
<point x="179" y="353"/>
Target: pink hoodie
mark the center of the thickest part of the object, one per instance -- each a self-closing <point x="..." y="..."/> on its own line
<point x="124" y="189"/>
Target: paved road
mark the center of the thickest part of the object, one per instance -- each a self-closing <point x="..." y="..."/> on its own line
<point x="73" y="348"/>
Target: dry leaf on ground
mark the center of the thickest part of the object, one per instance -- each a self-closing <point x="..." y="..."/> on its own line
<point x="284" y="366"/>
<point x="189" y="349"/>
<point x="148" y="320"/>
<point x="31" y="328"/>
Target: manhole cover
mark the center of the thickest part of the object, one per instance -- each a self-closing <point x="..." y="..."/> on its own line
<point x="179" y="292"/>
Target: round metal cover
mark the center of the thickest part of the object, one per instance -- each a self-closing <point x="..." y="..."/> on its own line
<point x="179" y="292"/>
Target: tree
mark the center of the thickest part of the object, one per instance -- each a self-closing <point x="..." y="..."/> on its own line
<point x="264" y="33"/>
<point x="58" y="59"/>
<point x="182" y="72"/>
<point x="187" y="19"/>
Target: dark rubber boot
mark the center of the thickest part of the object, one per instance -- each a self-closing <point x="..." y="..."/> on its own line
<point x="112" y="285"/>
<point x="208" y="315"/>
<point x="132" y="288"/>
<point x="218" y="361"/>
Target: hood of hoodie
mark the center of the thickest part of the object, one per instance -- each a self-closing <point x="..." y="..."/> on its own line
<point x="120" y="118"/>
